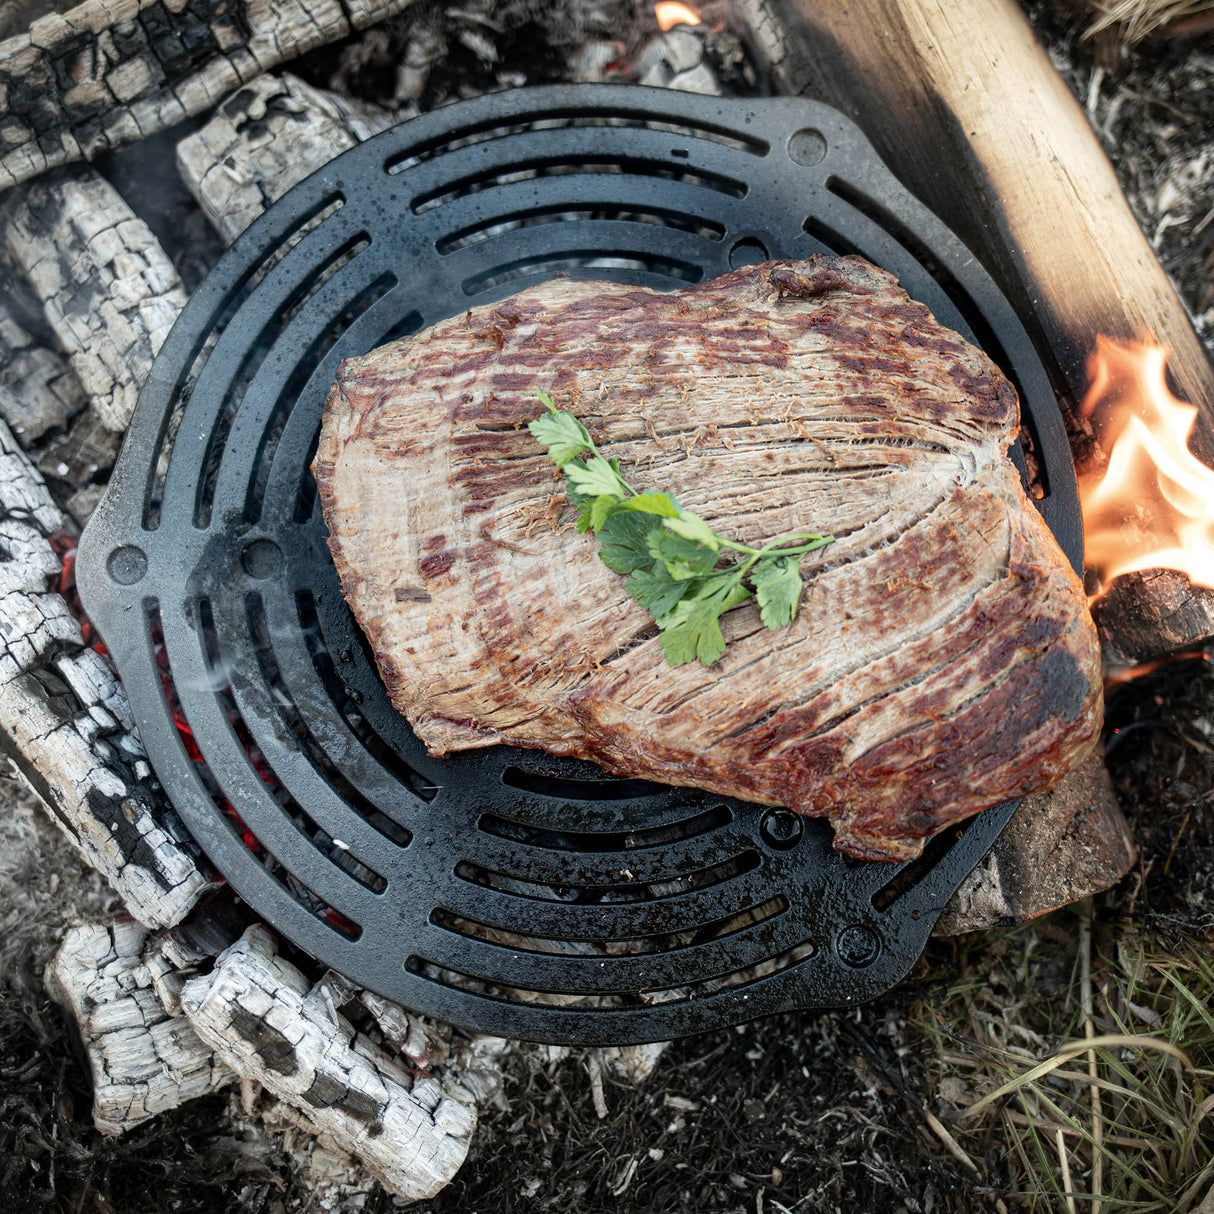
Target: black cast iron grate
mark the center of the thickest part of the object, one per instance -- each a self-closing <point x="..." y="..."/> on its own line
<point x="502" y="890"/>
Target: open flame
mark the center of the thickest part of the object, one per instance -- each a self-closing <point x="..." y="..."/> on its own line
<point x="670" y="14"/>
<point x="1153" y="506"/>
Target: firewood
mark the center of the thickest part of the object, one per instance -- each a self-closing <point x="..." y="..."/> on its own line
<point x="143" y="1060"/>
<point x="265" y="1020"/>
<point x="65" y="721"/>
<point x="1062" y="845"/>
<point x="962" y="103"/>
<point x="110" y="71"/>
<point x="108" y="290"/>
<point x="269" y="136"/>
<point x="39" y="392"/>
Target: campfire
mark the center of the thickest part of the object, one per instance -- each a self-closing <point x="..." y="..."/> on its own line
<point x="246" y="750"/>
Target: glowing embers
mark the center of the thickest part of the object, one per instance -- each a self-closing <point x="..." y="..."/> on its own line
<point x="1153" y="505"/>
<point x="669" y="14"/>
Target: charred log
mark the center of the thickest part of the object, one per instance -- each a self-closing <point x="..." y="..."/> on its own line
<point x="110" y="71"/>
<point x="65" y="722"/>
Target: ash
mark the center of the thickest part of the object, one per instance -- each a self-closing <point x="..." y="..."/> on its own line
<point x="813" y="1113"/>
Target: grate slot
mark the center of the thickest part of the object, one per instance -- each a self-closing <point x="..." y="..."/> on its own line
<point x="255" y="355"/>
<point x="207" y="329"/>
<point x="668" y="937"/>
<point x="606" y="841"/>
<point x="557" y="118"/>
<point x="609" y="788"/>
<point x="322" y="758"/>
<point x="540" y="167"/>
<point x="312" y="363"/>
<point x="689" y="913"/>
<point x="770" y="931"/>
<point x="613" y="895"/>
<point x="607" y="262"/>
<point x="289" y="836"/>
<point x="342" y="698"/>
<point x="539" y="217"/>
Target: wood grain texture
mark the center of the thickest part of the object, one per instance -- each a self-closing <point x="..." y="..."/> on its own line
<point x="962" y="103"/>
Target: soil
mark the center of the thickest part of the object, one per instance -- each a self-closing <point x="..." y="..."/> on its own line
<point x="814" y="1112"/>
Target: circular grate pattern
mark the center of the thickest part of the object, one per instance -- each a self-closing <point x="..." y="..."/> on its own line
<point x="503" y="890"/>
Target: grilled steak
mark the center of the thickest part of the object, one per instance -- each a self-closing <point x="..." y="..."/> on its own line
<point x="943" y="659"/>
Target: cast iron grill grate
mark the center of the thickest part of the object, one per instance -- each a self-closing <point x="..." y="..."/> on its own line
<point x="502" y="890"/>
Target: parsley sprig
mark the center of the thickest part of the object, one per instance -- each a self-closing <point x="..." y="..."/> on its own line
<point x="671" y="557"/>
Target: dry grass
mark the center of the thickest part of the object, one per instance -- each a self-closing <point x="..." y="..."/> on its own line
<point x="1079" y="1073"/>
<point x="1135" y="20"/>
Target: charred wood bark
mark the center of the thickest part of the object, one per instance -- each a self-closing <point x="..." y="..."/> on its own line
<point x="265" y="139"/>
<point x="144" y="1060"/>
<point x="1061" y="846"/>
<point x="39" y="391"/>
<point x="265" y="1020"/>
<point x="65" y="722"/>
<point x="111" y="71"/>
<point x="963" y="104"/>
<point x="109" y="292"/>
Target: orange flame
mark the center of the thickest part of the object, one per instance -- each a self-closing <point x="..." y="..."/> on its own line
<point x="1153" y="506"/>
<point x="670" y="14"/>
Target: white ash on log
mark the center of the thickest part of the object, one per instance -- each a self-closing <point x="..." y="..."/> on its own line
<point x="65" y="722"/>
<point x="109" y="292"/>
<point x="38" y="389"/>
<point x="963" y="104"/>
<point x="263" y="140"/>
<point x="111" y="71"/>
<point x="264" y="1019"/>
<point x="143" y="1059"/>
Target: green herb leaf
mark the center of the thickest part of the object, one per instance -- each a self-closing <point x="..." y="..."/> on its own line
<point x="683" y="558"/>
<point x="657" y="591"/>
<point x="777" y="583"/>
<point x="563" y="435"/>
<point x="694" y="631"/>
<point x="624" y="537"/>
<point x="595" y="476"/>
<point x="670" y="555"/>
<point x="693" y="527"/>
<point x="660" y="504"/>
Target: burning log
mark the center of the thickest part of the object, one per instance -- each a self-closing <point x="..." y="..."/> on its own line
<point x="265" y="1020"/>
<point x="108" y="72"/>
<point x="1027" y="187"/>
<point x="65" y="722"/>
<point x="109" y="292"/>
<point x="144" y="1059"/>
<point x="265" y="139"/>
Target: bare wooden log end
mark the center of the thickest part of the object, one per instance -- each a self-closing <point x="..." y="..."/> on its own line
<point x="1062" y="845"/>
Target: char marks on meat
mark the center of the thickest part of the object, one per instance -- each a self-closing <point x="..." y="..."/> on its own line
<point x="943" y="659"/>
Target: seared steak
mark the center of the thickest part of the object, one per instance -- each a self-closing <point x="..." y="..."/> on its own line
<point x="943" y="659"/>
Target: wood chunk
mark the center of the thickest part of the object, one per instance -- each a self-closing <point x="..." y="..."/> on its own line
<point x="1062" y="845"/>
<point x="38" y="390"/>
<point x="65" y="721"/>
<point x="1151" y="615"/>
<point x="266" y="138"/>
<point x="108" y="290"/>
<point x="111" y="71"/>
<point x="261" y="1016"/>
<point x="143" y="1059"/>
<point x="1028" y="187"/>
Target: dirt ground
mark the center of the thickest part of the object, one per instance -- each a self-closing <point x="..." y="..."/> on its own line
<point x="819" y="1112"/>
